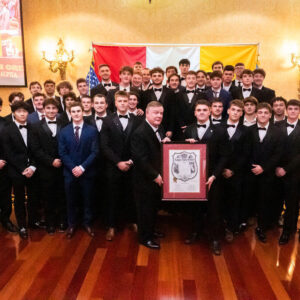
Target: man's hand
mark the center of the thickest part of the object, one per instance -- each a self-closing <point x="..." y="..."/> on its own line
<point x="191" y="141"/>
<point x="140" y="112"/>
<point x="183" y="128"/>
<point x="2" y="163"/>
<point x="77" y="171"/>
<point x="159" y="180"/>
<point x="257" y="169"/>
<point x="280" y="172"/>
<point x="124" y="166"/>
<point x="169" y="134"/>
<point x="227" y="173"/>
<point x="28" y="172"/>
<point x="56" y="163"/>
<point x="166" y="140"/>
<point x="210" y="181"/>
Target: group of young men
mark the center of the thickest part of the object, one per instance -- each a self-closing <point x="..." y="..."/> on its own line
<point x="67" y="159"/>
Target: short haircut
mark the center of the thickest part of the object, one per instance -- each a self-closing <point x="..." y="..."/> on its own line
<point x="157" y="70"/>
<point x="247" y="72"/>
<point x="64" y="84"/>
<point x="153" y="104"/>
<point x="217" y="63"/>
<point x="99" y="96"/>
<point x="239" y="64"/>
<point x="237" y="102"/>
<point x="75" y="104"/>
<point x="133" y="93"/>
<point x="51" y="101"/>
<point x="191" y="73"/>
<point x="34" y="83"/>
<point x="70" y="95"/>
<point x="279" y="99"/>
<point x="138" y="73"/>
<point x="264" y="105"/>
<point x="138" y="63"/>
<point x="229" y="68"/>
<point x="216" y="100"/>
<point x="208" y="74"/>
<point x="14" y="95"/>
<point x="80" y="80"/>
<point x="39" y="95"/>
<point x="250" y="99"/>
<point x="260" y="71"/>
<point x="49" y="81"/>
<point x="1" y="102"/>
<point x="86" y="96"/>
<point x="173" y="76"/>
<point x="217" y="74"/>
<point x="201" y="71"/>
<point x="121" y="93"/>
<point x="172" y="68"/>
<point x="103" y="65"/>
<point x="184" y="61"/>
<point x="126" y="69"/>
<point x="146" y="69"/>
<point x="202" y="102"/>
<point x="19" y="105"/>
<point x="293" y="102"/>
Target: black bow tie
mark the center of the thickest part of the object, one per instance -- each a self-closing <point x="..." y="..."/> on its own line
<point x="200" y="90"/>
<point x="244" y="90"/>
<point x="107" y="84"/>
<point x="262" y="128"/>
<point x="52" y="122"/>
<point x="99" y="118"/>
<point x="23" y="126"/>
<point x="158" y="90"/>
<point x="199" y="125"/>
<point x="229" y="125"/>
<point x="290" y="125"/>
<point x="193" y="91"/>
<point x="123" y="116"/>
<point x="216" y="120"/>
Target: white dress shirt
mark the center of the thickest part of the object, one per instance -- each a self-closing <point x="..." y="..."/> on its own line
<point x="213" y="120"/>
<point x="41" y="115"/>
<point x="124" y="88"/>
<point x="227" y="87"/>
<point x="190" y="95"/>
<point x="201" y="130"/>
<point x="124" y="121"/>
<point x="246" y="93"/>
<point x="158" y="93"/>
<point x="291" y="129"/>
<point x="155" y="129"/>
<point x="262" y="133"/>
<point x="249" y="123"/>
<point x="108" y="87"/>
<point x="237" y="83"/>
<point x="231" y="130"/>
<point x="52" y="127"/>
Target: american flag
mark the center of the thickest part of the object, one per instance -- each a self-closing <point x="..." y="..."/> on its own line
<point x="91" y="77"/>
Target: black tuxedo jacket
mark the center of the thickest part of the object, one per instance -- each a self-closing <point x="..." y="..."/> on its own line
<point x="8" y="118"/>
<point x="2" y="125"/>
<point x="63" y="118"/>
<point x="149" y="95"/>
<point x="30" y="104"/>
<point x="17" y="154"/>
<point x="267" y="94"/>
<point x="268" y="152"/>
<point x="91" y="119"/>
<point x="219" y="148"/>
<point x="100" y="89"/>
<point x="115" y="143"/>
<point x="238" y="94"/>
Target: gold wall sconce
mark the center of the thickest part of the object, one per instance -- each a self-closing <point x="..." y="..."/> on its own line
<point x="296" y="62"/>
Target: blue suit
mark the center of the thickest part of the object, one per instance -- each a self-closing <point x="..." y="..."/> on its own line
<point x="33" y="118"/>
<point x="82" y="153"/>
<point x="224" y="96"/>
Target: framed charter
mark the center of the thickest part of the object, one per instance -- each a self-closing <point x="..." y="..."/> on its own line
<point x="184" y="172"/>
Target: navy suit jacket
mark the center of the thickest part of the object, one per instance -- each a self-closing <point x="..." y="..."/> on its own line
<point x="224" y="96"/>
<point x="75" y="154"/>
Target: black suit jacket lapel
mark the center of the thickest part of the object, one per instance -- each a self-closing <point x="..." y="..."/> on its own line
<point x="163" y="95"/>
<point x="129" y="125"/>
<point x="46" y="128"/>
<point x="237" y="134"/>
<point x="18" y="134"/>
<point x="117" y="123"/>
<point x="295" y="132"/>
<point x="208" y="133"/>
<point x="152" y="134"/>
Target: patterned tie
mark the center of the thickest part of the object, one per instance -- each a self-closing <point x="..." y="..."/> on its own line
<point x="77" y="134"/>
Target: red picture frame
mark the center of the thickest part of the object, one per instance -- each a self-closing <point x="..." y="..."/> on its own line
<point x="184" y="172"/>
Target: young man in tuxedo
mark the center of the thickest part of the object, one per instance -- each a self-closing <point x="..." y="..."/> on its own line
<point x="201" y="81"/>
<point x="216" y="111"/>
<point x="228" y="82"/>
<point x="63" y="88"/>
<point x="259" y="76"/>
<point x="217" y="66"/>
<point x="38" y="114"/>
<point x="233" y="173"/>
<point x="279" y="105"/>
<point x="250" y="105"/>
<point x="170" y="70"/>
<point x="45" y="151"/>
<point x="133" y="101"/>
<point x="49" y="87"/>
<point x="106" y="84"/>
<point x="288" y="169"/>
<point x="116" y="134"/>
<point x="184" y="67"/>
<point x="137" y="79"/>
<point x="146" y="79"/>
<point x="34" y="87"/>
<point x="82" y="88"/>
<point x="238" y="69"/>
<point x="21" y="167"/>
<point x="146" y="152"/>
<point x="68" y="100"/>
<point x="218" y="147"/>
<point x="137" y="67"/>
<point x="266" y="148"/>
<point x="78" y="149"/>
<point x="87" y="105"/>
<point x="12" y="98"/>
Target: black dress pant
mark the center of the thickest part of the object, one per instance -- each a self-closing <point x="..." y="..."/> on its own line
<point x="5" y="197"/>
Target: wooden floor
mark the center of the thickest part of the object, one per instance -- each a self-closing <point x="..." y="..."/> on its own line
<point x="51" y="267"/>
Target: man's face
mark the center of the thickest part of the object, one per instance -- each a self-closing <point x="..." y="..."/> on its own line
<point x="216" y="82"/>
<point x="154" y="115"/>
<point x="217" y="109"/>
<point x="138" y="68"/>
<point x="100" y="105"/>
<point x="238" y="70"/>
<point x="64" y="91"/>
<point x="132" y="102"/>
<point x="174" y="82"/>
<point x="38" y="102"/>
<point x="249" y="108"/>
<point x="76" y="113"/>
<point x="69" y="101"/>
<point x="279" y="108"/>
<point x="104" y="73"/>
<point x="146" y="76"/>
<point x="263" y="115"/>
<point x="202" y="113"/>
<point x="293" y="112"/>
<point x="184" y="68"/>
<point x="157" y="78"/>
<point x="87" y="104"/>
<point x="217" y="67"/>
<point x="35" y="88"/>
<point x="201" y="79"/>
<point x="137" y="80"/>
<point x="247" y="80"/>
<point x="51" y="111"/>
<point x="121" y="104"/>
<point x="49" y="88"/>
<point x="190" y="81"/>
<point x="21" y="115"/>
<point x="170" y="72"/>
<point x="234" y="113"/>
<point x="208" y="83"/>
<point x="258" y="79"/>
<point x="82" y="88"/>
<point x="228" y="76"/>
<point x="125" y="77"/>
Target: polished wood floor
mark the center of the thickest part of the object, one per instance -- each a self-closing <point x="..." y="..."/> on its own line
<point x="51" y="267"/>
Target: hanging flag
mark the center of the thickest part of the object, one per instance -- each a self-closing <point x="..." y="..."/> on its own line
<point x="91" y="78"/>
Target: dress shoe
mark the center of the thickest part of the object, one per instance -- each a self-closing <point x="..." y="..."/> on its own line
<point x="261" y="235"/>
<point x="284" y="238"/>
<point x="151" y="244"/>
<point x="89" y="230"/>
<point x="62" y="227"/>
<point x="228" y="235"/>
<point x="158" y="234"/>
<point x="70" y="232"/>
<point x="50" y="230"/>
<point x="243" y="227"/>
<point x="192" y="238"/>
<point x="42" y="224"/>
<point x="23" y="233"/>
<point x="280" y="221"/>
<point x="216" y="248"/>
<point x="110" y="234"/>
<point x="10" y="227"/>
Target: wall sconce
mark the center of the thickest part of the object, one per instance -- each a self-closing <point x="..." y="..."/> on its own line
<point x="296" y="62"/>
<point x="61" y="59"/>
